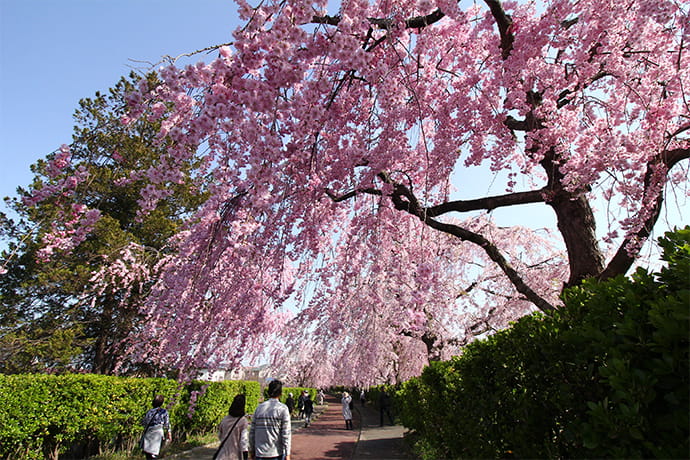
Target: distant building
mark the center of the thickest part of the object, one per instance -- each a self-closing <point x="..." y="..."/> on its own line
<point x="219" y="375"/>
<point x="255" y="373"/>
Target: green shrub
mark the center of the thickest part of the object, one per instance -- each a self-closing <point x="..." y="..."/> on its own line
<point x="296" y="391"/>
<point x="42" y="416"/>
<point x="213" y="401"/>
<point x="607" y="376"/>
<point x="642" y="358"/>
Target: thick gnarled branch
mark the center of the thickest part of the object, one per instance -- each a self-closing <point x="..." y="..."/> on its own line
<point x="416" y="22"/>
<point x="404" y="200"/>
<point x="495" y="255"/>
<point x="503" y="21"/>
<point x="352" y="194"/>
<point x="487" y="203"/>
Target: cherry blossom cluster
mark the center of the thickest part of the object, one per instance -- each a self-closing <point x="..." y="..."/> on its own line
<point x="422" y="296"/>
<point x="68" y="232"/>
<point x="65" y="180"/>
<point x="128" y="271"/>
<point x="300" y="112"/>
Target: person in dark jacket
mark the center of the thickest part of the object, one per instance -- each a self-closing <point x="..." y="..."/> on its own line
<point x="300" y="404"/>
<point x="157" y="425"/>
<point x="290" y="403"/>
<point x="308" y="409"/>
<point x="385" y="406"/>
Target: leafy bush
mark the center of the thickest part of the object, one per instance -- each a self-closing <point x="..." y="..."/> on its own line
<point x="211" y="401"/>
<point x="296" y="391"/>
<point x="44" y="415"/>
<point x="607" y="376"/>
<point x="642" y="358"/>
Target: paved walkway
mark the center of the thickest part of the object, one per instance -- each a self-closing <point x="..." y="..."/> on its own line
<point x="327" y="438"/>
<point x="379" y="442"/>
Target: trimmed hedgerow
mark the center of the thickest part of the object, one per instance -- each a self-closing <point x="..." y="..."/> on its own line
<point x="42" y="416"/>
<point x="210" y="402"/>
<point x="607" y="376"/>
<point x="296" y="391"/>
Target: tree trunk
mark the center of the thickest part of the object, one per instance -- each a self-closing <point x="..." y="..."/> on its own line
<point x="434" y="347"/>
<point x="576" y="224"/>
<point x="102" y="359"/>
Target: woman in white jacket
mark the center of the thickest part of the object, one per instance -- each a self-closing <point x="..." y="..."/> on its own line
<point x="233" y="432"/>
<point x="347" y="410"/>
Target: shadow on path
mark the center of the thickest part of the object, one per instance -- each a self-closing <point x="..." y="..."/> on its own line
<point x="326" y="437"/>
<point x="378" y="442"/>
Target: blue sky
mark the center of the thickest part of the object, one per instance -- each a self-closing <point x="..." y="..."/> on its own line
<point x="55" y="52"/>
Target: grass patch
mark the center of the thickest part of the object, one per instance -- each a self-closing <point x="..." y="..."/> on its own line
<point x="176" y="447"/>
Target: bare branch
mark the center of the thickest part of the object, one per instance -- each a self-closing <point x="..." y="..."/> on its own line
<point x="172" y="60"/>
<point x="487" y="203"/>
<point x="623" y="260"/>
<point x="681" y="130"/>
<point x="352" y="194"/>
<point x="328" y="20"/>
<point x="422" y="21"/>
<point x="516" y="125"/>
<point x="404" y="200"/>
<point x="495" y="255"/>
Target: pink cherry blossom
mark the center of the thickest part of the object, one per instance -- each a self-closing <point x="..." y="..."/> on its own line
<point x="333" y="142"/>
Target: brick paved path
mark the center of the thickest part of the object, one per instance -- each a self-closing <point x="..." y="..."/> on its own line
<point x="327" y="438"/>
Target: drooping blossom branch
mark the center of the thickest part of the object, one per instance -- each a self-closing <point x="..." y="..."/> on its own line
<point x="574" y="103"/>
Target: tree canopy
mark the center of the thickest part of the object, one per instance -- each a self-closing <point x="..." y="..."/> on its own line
<point x="331" y="140"/>
<point x="58" y="311"/>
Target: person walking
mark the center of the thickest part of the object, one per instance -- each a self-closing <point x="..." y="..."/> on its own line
<point x="362" y="397"/>
<point x="290" y="403"/>
<point x="385" y="406"/>
<point x="233" y="432"/>
<point x="156" y="424"/>
<point x="319" y="397"/>
<point x="347" y="410"/>
<point x="308" y="410"/>
<point x="271" y="432"/>
<point x="300" y="404"/>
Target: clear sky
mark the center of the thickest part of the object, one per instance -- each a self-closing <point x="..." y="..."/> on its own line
<point x="55" y="52"/>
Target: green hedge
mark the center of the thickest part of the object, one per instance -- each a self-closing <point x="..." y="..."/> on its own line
<point x="607" y="376"/>
<point x="213" y="401"/>
<point x="44" y="415"/>
<point x="296" y="391"/>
